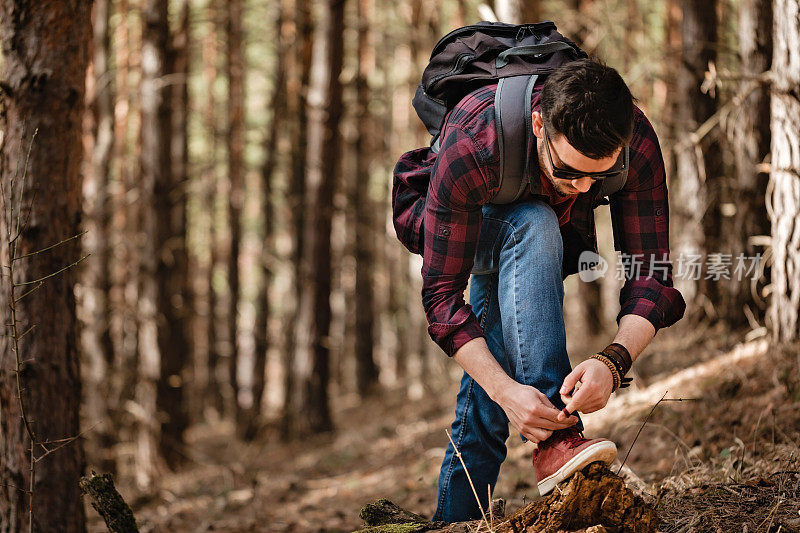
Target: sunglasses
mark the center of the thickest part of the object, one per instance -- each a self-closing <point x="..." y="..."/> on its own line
<point x="571" y="174"/>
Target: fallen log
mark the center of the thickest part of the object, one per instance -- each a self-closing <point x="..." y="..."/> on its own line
<point x="593" y="498"/>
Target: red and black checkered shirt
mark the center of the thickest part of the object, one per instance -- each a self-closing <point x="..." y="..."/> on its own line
<point x="465" y="177"/>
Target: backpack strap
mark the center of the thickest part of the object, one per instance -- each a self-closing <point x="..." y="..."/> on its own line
<point x="512" y="107"/>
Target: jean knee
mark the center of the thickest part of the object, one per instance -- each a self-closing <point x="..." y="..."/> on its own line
<point x="536" y="226"/>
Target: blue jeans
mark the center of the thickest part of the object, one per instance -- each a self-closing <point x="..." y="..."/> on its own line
<point x="517" y="294"/>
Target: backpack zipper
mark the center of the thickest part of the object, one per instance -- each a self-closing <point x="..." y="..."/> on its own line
<point x="461" y="62"/>
<point x="506" y="30"/>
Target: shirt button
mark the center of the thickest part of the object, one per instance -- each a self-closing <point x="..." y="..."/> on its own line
<point x="659" y="212"/>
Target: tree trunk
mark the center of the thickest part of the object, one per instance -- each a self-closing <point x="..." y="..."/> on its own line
<point x="785" y="198"/>
<point x="96" y="280"/>
<point x="126" y="228"/>
<point x="530" y="11"/>
<point x="156" y="170"/>
<point x="249" y="425"/>
<point x="518" y="11"/>
<point x="751" y="146"/>
<point x="174" y="296"/>
<point x="299" y="74"/>
<point x="234" y="67"/>
<point x="699" y="164"/>
<point x="214" y="385"/>
<point x="315" y="304"/>
<point x="45" y="55"/>
<point x="366" y="369"/>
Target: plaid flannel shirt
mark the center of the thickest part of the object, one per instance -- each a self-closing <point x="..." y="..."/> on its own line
<point x="465" y="177"/>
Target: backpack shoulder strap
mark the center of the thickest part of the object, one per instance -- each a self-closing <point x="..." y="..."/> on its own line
<point x="512" y="107"/>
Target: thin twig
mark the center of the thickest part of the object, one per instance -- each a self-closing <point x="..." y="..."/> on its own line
<point x="681" y="399"/>
<point x="81" y="234"/>
<point x="62" y="442"/>
<point x="26" y="293"/>
<point x="640" y="431"/>
<point x="10" y="486"/>
<point x="23" y="336"/>
<point x="469" y="478"/>
<point x="22" y="189"/>
<point x="56" y="273"/>
<point x="491" y="514"/>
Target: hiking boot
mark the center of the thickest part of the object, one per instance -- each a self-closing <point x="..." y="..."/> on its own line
<point x="566" y="452"/>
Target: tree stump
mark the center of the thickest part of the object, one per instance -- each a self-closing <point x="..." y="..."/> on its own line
<point x="594" y="499"/>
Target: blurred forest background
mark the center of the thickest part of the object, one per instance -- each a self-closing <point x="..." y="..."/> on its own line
<point x="202" y="289"/>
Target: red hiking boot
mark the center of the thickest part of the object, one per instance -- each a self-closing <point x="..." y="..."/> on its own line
<point x="566" y="452"/>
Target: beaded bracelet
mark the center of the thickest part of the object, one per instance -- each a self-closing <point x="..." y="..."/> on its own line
<point x="610" y="364"/>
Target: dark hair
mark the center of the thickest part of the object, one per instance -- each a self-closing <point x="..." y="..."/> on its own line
<point x="589" y="103"/>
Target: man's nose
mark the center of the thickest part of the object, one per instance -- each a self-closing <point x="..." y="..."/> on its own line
<point x="582" y="184"/>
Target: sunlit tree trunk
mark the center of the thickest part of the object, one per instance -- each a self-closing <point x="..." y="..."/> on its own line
<point x="126" y="226"/>
<point x="785" y="172"/>
<point x="249" y="425"/>
<point x="155" y="164"/>
<point x="43" y="81"/>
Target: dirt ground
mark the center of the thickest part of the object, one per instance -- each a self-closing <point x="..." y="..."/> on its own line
<point x="725" y="458"/>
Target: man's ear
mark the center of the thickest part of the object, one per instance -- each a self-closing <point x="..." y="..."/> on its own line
<point x="538" y="125"/>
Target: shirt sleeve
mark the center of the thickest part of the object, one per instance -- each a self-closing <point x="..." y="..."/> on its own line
<point x="640" y="220"/>
<point x="457" y="191"/>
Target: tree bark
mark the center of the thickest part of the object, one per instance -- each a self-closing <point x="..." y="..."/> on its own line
<point x="156" y="170"/>
<point x="214" y="398"/>
<point x="785" y="172"/>
<point x="298" y="79"/>
<point x="366" y="369"/>
<point x="42" y="86"/>
<point x="234" y="67"/>
<point x="698" y="165"/>
<point x="751" y="146"/>
<point x="126" y="228"/>
<point x="96" y="279"/>
<point x="249" y="425"/>
<point x="174" y="296"/>
<point x="315" y="316"/>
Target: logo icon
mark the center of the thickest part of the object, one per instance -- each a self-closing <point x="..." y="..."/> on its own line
<point x="591" y="266"/>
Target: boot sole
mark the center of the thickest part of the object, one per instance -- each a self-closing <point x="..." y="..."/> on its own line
<point x="604" y="451"/>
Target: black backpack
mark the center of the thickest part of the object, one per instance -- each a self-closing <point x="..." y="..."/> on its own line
<point x="513" y="56"/>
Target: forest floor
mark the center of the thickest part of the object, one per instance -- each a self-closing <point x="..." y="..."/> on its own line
<point x="724" y="459"/>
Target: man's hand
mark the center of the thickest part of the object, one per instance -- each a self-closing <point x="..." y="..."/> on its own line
<point x="596" y="387"/>
<point x="532" y="414"/>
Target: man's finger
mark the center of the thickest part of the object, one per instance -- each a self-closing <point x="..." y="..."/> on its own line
<point x="549" y="413"/>
<point x="570" y="381"/>
<point x="576" y="402"/>
<point x="549" y="424"/>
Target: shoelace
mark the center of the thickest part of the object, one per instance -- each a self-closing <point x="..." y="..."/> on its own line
<point x="574" y="439"/>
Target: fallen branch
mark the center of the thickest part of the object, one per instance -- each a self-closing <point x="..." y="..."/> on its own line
<point x="109" y="503"/>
